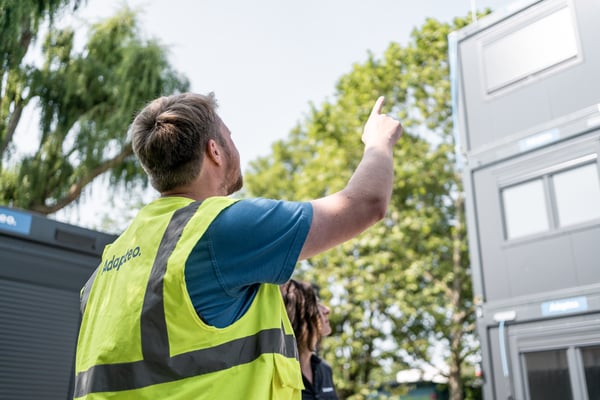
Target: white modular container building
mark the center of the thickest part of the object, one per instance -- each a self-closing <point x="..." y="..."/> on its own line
<point x="526" y="103"/>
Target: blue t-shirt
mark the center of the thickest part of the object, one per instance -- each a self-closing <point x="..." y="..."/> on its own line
<point x="251" y="242"/>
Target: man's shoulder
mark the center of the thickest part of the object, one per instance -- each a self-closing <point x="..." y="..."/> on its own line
<point x="260" y="205"/>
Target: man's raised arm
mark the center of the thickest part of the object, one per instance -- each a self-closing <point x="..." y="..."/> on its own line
<point x="364" y="201"/>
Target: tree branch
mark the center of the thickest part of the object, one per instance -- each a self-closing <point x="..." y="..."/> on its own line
<point x="446" y="288"/>
<point x="15" y="117"/>
<point x="76" y="189"/>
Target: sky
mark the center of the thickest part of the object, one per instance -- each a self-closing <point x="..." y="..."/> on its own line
<point x="268" y="60"/>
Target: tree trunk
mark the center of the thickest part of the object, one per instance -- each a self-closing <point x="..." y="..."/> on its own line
<point x="454" y="380"/>
<point x="13" y="122"/>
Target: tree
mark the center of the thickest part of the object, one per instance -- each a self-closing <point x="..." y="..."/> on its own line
<point x="86" y="101"/>
<point x="403" y="286"/>
<point x="19" y="26"/>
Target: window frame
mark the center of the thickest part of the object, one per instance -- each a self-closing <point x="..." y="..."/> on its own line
<point x="514" y="25"/>
<point x="545" y="174"/>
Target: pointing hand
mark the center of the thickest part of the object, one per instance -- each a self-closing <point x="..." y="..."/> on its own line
<point x="381" y="129"/>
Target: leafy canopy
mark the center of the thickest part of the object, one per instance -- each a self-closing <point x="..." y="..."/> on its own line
<point x="402" y="287"/>
<point x="86" y="100"/>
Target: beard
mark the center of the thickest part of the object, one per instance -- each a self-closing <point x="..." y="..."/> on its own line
<point x="235" y="180"/>
<point x="235" y="184"/>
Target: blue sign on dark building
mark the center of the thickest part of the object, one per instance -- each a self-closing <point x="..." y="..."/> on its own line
<point x="14" y="221"/>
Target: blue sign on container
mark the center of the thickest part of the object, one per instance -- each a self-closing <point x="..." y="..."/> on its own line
<point x="14" y="221"/>
<point x="564" y="306"/>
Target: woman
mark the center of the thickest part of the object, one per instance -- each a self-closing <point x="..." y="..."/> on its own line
<point x="310" y="322"/>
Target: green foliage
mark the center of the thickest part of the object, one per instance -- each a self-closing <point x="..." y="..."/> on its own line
<point x="87" y="100"/>
<point x="403" y="286"/>
<point x="20" y="22"/>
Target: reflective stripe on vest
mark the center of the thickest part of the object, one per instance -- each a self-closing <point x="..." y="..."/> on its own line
<point x="157" y="365"/>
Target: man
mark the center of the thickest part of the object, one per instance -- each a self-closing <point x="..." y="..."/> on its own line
<point x="185" y="303"/>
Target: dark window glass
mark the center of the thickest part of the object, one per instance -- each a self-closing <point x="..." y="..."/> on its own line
<point x="548" y="375"/>
<point x="591" y="365"/>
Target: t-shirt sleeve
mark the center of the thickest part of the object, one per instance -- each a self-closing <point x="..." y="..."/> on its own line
<point x="258" y="241"/>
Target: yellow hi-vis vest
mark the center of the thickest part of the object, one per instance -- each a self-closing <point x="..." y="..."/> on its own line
<point x="141" y="337"/>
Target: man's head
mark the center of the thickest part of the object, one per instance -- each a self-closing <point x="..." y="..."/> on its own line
<point x="171" y="135"/>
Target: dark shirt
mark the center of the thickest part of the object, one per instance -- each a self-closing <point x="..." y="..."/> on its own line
<point x="322" y="387"/>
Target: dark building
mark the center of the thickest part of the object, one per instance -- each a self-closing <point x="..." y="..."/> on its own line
<point x="43" y="266"/>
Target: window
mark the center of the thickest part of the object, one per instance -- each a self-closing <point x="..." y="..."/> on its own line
<point x="556" y="197"/>
<point x="577" y="193"/>
<point x="536" y="47"/>
<point x="525" y="209"/>
<point x="548" y="375"/>
<point x="591" y="365"/>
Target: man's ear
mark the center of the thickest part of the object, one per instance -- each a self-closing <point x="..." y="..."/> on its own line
<point x="214" y="151"/>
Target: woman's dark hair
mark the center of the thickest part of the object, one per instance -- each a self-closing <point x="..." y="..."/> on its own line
<point x="302" y="305"/>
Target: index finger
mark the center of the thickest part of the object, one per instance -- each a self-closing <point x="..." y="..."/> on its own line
<point x="378" y="106"/>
